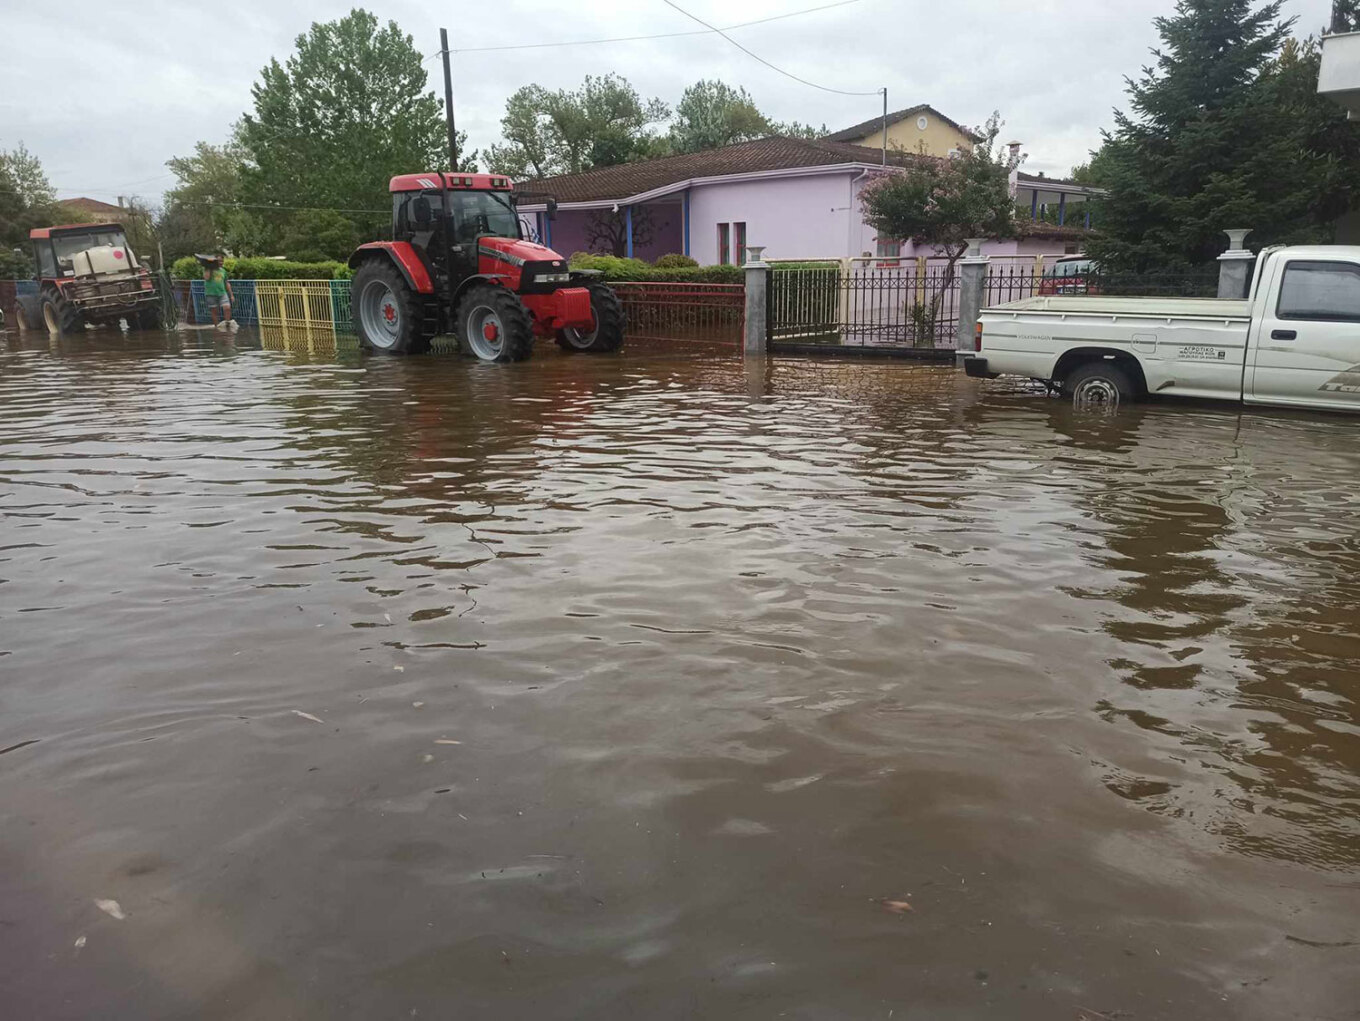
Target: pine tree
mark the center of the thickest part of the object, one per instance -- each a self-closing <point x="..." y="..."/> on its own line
<point x="1225" y="130"/>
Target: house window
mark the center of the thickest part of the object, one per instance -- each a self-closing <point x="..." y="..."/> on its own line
<point x="740" y="229"/>
<point x="724" y="244"/>
<point x="890" y="252"/>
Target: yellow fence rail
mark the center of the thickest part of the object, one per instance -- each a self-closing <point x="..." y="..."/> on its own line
<point x="310" y="314"/>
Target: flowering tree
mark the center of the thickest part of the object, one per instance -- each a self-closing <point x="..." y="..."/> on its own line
<point x="944" y="202"/>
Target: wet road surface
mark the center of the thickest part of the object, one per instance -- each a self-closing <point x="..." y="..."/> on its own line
<point x="657" y="687"/>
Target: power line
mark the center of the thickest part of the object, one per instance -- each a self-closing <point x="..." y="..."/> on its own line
<point x="640" y="38"/>
<point x="786" y="74"/>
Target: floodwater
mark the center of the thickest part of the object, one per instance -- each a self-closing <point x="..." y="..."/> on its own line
<point x="654" y="686"/>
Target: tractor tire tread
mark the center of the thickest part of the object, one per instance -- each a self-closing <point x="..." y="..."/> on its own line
<point x="415" y="338"/>
<point x="610" y="321"/>
<point x="514" y="317"/>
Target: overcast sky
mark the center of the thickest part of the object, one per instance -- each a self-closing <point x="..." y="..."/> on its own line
<point x="104" y="93"/>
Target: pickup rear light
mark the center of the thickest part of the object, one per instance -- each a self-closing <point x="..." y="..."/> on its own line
<point x="977" y="338"/>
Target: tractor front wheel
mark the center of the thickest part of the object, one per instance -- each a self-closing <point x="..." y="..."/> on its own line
<point x="386" y="312"/>
<point x="607" y="332"/>
<point x="59" y="315"/>
<point x="152" y="318"/>
<point x="494" y="325"/>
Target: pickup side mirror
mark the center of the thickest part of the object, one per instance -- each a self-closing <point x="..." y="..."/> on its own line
<point x="552" y="209"/>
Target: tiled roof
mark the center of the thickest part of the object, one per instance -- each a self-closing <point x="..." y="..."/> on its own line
<point x="1049" y="231"/>
<point x="1040" y="181"/>
<point x="876" y="124"/>
<point x="775" y="153"/>
<point x="93" y="206"/>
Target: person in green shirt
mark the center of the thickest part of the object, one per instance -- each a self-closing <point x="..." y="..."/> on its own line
<point x="217" y="294"/>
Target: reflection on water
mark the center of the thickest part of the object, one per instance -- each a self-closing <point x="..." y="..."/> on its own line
<point x="635" y="685"/>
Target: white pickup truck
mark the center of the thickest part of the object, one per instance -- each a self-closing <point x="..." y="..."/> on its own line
<point x="1295" y="342"/>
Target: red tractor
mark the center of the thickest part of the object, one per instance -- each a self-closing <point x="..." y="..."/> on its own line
<point x="459" y="263"/>
<point x="88" y="274"/>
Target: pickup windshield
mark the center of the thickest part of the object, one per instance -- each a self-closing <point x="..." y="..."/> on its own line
<point x="481" y="213"/>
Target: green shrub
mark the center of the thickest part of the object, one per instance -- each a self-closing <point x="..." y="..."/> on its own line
<point x="674" y="261"/>
<point x="626" y="270"/>
<point x="189" y="268"/>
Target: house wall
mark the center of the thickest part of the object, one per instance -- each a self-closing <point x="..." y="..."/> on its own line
<point x="938" y="136"/>
<point x="571" y="229"/>
<point x="813" y="216"/>
<point x="806" y="217"/>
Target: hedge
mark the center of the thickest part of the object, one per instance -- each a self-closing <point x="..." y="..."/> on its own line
<point x="189" y="268"/>
<point x="623" y="270"/>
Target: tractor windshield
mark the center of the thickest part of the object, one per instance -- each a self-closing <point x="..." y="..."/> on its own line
<point x="482" y="213"/>
<point x="67" y="245"/>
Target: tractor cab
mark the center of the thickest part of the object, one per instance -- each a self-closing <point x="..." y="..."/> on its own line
<point x="82" y="250"/>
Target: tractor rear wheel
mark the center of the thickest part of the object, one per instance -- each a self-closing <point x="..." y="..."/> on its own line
<point x="386" y="312"/>
<point x="607" y="333"/>
<point x="59" y="315"/>
<point x="29" y="312"/>
<point x="494" y="325"/>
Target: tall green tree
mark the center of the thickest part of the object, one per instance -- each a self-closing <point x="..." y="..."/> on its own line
<point x="944" y="202"/>
<point x="349" y="109"/>
<point x="712" y="114"/>
<point x="602" y="123"/>
<point x="27" y="200"/>
<point x="1225" y="130"/>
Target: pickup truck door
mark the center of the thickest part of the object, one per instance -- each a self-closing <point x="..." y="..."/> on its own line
<point x="1307" y="335"/>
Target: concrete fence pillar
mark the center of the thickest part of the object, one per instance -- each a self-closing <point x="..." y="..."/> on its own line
<point x="757" y="331"/>
<point x="972" y="292"/>
<point x="1235" y="266"/>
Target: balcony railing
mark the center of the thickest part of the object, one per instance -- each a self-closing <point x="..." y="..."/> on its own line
<point x="1345" y="16"/>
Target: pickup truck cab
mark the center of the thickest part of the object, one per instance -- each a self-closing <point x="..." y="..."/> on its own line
<point x="1295" y="342"/>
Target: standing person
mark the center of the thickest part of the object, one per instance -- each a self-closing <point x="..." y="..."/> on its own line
<point x="217" y="293"/>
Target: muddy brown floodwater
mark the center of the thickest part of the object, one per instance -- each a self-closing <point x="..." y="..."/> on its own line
<point x="656" y="687"/>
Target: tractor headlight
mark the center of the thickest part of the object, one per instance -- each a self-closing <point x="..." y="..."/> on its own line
<point x="553" y="278"/>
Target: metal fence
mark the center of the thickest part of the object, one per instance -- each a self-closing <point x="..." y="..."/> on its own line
<point x="912" y="305"/>
<point x="705" y="313"/>
<point x="864" y="303"/>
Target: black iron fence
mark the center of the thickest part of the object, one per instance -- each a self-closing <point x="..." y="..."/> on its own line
<point x="864" y="303"/>
<point x="913" y="304"/>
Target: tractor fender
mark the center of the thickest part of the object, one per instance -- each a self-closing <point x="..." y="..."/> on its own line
<point x="404" y="256"/>
<point x="474" y="280"/>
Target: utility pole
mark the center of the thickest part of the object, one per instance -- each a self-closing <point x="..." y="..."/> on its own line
<point x="885" y="125"/>
<point x="448" y="101"/>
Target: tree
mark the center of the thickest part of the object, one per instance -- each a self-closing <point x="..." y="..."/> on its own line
<point x="602" y="123"/>
<point x="316" y="235"/>
<point x="712" y="114"/>
<point x="27" y="200"/>
<point x="348" y="110"/>
<point x="1226" y="130"/>
<point x="195" y="213"/>
<point x="944" y="202"/>
<point x="607" y="232"/>
<point x="797" y="129"/>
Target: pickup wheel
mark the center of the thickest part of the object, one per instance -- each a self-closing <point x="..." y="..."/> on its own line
<point x="1101" y="384"/>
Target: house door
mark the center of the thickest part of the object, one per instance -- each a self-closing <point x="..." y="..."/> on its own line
<point x="1307" y="346"/>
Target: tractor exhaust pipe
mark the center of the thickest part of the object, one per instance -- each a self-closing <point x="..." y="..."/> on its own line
<point x="448" y="100"/>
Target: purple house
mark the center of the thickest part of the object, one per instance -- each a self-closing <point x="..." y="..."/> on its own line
<point x="798" y="198"/>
